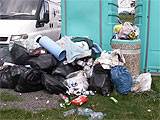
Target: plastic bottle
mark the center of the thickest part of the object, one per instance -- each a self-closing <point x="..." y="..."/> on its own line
<point x="64" y="97"/>
<point x="69" y="112"/>
<point x="66" y="100"/>
<point x="97" y="116"/>
<point x="84" y="111"/>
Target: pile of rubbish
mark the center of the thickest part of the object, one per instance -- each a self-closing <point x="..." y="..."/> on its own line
<point x="71" y="66"/>
<point x="126" y="31"/>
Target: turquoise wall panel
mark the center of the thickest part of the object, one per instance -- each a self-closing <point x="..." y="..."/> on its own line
<point x="109" y="19"/>
<point x="149" y="27"/>
<point x="82" y="19"/>
<point x="92" y="18"/>
<point x="141" y="21"/>
<point x="153" y="63"/>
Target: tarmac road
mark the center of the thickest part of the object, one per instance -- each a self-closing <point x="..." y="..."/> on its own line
<point x="31" y="101"/>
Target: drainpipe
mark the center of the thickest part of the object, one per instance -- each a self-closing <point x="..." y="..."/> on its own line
<point x="65" y="15"/>
<point x="100" y="20"/>
<point x="148" y="35"/>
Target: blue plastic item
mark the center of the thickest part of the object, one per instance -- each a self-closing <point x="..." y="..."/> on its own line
<point x="96" y="48"/>
<point x="52" y="47"/>
<point x="122" y="79"/>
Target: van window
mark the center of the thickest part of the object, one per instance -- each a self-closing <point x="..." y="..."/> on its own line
<point x="44" y="9"/>
<point x="18" y="9"/>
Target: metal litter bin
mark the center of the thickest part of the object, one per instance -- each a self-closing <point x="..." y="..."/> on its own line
<point x="131" y="51"/>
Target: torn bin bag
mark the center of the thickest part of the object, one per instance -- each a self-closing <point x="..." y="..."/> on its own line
<point x="44" y="62"/>
<point x="53" y="85"/>
<point x="19" y="54"/>
<point x="101" y="80"/>
<point x="29" y="81"/>
<point x="122" y="79"/>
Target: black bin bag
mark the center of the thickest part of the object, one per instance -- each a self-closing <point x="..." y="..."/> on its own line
<point x="45" y="62"/>
<point x="63" y="70"/>
<point x="29" y="81"/>
<point x="5" y="54"/>
<point x="53" y="85"/>
<point x="19" y="54"/>
<point x="9" y="76"/>
<point x="6" y="80"/>
<point x="101" y="80"/>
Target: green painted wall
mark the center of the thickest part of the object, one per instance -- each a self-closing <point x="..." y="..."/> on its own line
<point x="92" y="18"/>
<point x="150" y="53"/>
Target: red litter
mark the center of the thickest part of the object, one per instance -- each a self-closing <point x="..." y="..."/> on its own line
<point x="80" y="100"/>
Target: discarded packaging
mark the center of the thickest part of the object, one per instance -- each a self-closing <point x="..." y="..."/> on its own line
<point x="142" y="83"/>
<point x="85" y="112"/>
<point x="69" y="112"/>
<point x="114" y="100"/>
<point x="97" y="116"/>
<point x="79" y="100"/>
<point x="77" y="82"/>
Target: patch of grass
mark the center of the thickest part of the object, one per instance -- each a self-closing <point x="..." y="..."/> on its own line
<point x="17" y="114"/>
<point x="8" y="97"/>
<point x="156" y="77"/>
<point x="14" y="114"/>
<point x="131" y="106"/>
<point x="156" y="83"/>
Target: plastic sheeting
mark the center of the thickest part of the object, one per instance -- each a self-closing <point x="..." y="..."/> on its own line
<point x="122" y="79"/>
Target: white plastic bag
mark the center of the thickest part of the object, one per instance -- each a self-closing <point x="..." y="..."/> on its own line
<point x="142" y="83"/>
<point x="77" y="82"/>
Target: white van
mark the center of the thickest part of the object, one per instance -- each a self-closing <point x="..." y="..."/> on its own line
<point x="22" y="20"/>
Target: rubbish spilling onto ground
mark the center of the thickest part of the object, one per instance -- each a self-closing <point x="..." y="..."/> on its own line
<point x="85" y="112"/>
<point x="73" y="68"/>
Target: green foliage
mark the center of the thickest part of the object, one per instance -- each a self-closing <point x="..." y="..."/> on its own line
<point x="126" y="18"/>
